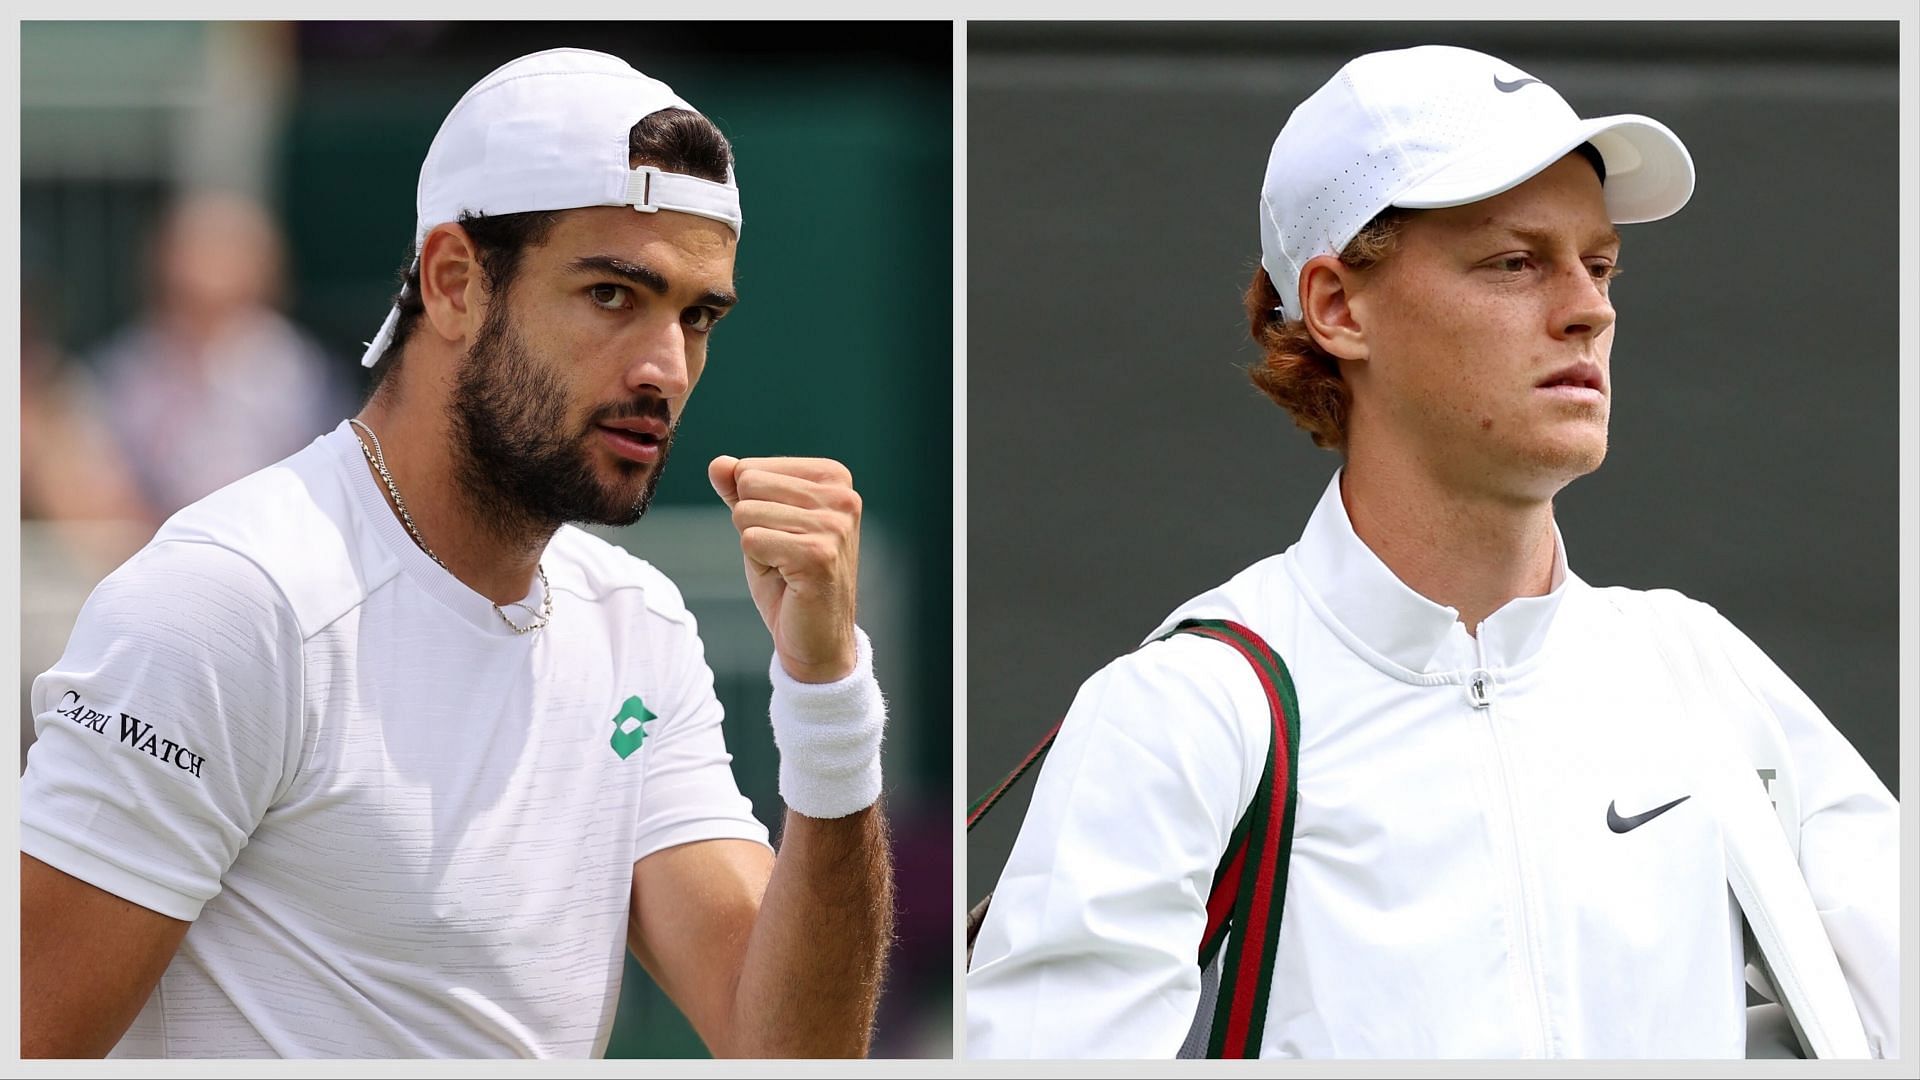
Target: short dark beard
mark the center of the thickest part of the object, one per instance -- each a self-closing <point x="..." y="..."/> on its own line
<point x="525" y="472"/>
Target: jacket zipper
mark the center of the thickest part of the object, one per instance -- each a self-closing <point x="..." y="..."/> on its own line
<point x="1480" y="694"/>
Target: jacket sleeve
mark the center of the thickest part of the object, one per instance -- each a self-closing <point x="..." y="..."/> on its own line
<point x="1090" y="946"/>
<point x="1849" y="838"/>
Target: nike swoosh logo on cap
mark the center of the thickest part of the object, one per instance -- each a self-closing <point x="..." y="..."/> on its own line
<point x="1510" y="87"/>
<point x="1619" y="824"/>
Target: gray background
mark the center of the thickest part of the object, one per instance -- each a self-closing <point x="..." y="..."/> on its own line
<point x="1120" y="462"/>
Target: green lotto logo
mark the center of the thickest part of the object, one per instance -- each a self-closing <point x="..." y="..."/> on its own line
<point x="628" y="733"/>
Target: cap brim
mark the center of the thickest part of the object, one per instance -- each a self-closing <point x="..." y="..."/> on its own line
<point x="1649" y="172"/>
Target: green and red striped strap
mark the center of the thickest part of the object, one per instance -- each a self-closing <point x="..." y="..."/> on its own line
<point x="1250" y="904"/>
<point x="1254" y="869"/>
<point x="985" y="802"/>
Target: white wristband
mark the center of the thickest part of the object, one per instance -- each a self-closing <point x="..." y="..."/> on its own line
<point x="829" y="737"/>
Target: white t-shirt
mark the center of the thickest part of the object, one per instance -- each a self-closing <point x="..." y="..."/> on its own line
<point x="1460" y="884"/>
<point x="399" y="828"/>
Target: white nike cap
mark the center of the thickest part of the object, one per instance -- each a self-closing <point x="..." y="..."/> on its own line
<point x="549" y="132"/>
<point x="1433" y="126"/>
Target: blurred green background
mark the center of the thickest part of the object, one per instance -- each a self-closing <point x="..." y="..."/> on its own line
<point x="841" y="347"/>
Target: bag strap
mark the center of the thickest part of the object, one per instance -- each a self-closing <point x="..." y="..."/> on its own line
<point x="1250" y="884"/>
<point x="1256" y="864"/>
<point x="986" y="802"/>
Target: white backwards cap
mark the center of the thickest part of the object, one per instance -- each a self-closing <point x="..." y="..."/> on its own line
<point x="1438" y="126"/>
<point x="549" y="132"/>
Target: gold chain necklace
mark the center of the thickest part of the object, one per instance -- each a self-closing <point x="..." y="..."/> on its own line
<point x="378" y="459"/>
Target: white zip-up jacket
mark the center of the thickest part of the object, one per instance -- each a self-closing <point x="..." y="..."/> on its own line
<point x="1458" y="886"/>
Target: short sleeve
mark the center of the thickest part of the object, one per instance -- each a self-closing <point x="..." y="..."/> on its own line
<point x="688" y="792"/>
<point x="167" y="728"/>
<point x="1089" y="948"/>
<point x="1849" y="837"/>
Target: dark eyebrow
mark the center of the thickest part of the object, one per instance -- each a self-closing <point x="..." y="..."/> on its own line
<point x="645" y="277"/>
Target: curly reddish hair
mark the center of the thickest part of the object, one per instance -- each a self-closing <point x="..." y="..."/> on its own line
<point x="1296" y="372"/>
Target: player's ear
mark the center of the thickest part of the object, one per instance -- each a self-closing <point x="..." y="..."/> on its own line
<point x="450" y="282"/>
<point x="1326" y="293"/>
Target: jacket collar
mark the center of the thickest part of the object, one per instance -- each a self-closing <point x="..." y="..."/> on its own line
<point x="1360" y="593"/>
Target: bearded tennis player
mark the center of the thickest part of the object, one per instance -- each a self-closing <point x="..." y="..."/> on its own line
<point x="372" y="754"/>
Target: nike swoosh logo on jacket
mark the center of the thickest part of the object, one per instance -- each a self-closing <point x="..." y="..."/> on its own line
<point x="1455" y="890"/>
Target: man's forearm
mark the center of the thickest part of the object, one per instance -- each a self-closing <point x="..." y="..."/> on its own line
<point x="810" y="981"/>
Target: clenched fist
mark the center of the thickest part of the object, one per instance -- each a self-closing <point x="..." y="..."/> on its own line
<point x="799" y="524"/>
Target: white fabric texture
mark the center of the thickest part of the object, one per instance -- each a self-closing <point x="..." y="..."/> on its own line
<point x="1439" y="125"/>
<point x="549" y="131"/>
<point x="400" y="829"/>
<point x="1788" y="941"/>
<point x="1455" y="889"/>
<point x="829" y="737"/>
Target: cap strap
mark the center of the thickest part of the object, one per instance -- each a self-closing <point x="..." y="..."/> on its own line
<point x="650" y="189"/>
<point x="378" y="346"/>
